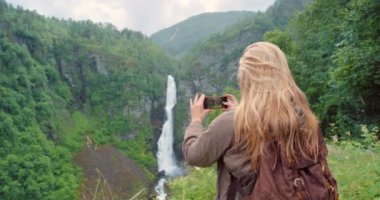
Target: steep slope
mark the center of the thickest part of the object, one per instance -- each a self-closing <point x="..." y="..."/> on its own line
<point x="181" y="37"/>
<point x="64" y="81"/>
<point x="109" y="174"/>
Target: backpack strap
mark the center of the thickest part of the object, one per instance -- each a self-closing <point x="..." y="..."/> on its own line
<point x="235" y="186"/>
<point x="292" y="174"/>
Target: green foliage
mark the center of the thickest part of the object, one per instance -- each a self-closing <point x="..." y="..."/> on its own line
<point x="64" y="83"/>
<point x="334" y="55"/>
<point x="198" y="184"/>
<point x="72" y="129"/>
<point x="137" y="148"/>
<point x="355" y="163"/>
<point x="356" y="171"/>
<point x="357" y="75"/>
<point x="35" y="168"/>
<point x="368" y="138"/>
<point x="280" y="38"/>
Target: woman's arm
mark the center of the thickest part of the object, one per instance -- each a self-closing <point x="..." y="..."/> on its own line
<point x="203" y="147"/>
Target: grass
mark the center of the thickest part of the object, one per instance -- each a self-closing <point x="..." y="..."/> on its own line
<point x="357" y="172"/>
<point x="198" y="184"/>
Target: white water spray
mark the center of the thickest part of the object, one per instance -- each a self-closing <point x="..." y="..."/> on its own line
<point x="165" y="153"/>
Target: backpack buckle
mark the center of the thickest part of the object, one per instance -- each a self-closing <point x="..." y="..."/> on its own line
<point x="298" y="182"/>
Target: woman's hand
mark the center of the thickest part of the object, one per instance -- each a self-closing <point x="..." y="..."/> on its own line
<point x="198" y="113"/>
<point x="231" y="102"/>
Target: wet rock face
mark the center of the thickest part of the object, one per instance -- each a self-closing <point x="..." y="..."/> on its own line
<point x="99" y="65"/>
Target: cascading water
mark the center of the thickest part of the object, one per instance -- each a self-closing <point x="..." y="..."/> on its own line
<point x="165" y="153"/>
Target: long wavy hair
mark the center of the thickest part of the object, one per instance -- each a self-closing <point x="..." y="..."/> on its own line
<point x="272" y="106"/>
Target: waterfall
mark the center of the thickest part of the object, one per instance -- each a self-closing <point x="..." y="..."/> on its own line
<point x="165" y="154"/>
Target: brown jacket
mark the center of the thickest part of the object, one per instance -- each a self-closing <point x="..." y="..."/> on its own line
<point x="203" y="147"/>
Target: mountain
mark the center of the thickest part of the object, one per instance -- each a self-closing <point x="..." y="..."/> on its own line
<point x="81" y="100"/>
<point x="211" y="64"/>
<point x="64" y="83"/>
<point x="181" y="37"/>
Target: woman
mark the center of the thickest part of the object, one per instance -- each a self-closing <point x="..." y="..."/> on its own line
<point x="272" y="108"/>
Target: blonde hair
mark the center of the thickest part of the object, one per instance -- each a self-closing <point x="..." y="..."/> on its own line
<point x="272" y="106"/>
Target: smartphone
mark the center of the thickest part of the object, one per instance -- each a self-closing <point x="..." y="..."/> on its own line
<point x="214" y="102"/>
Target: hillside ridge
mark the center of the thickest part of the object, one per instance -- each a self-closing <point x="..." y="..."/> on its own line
<point x="182" y="36"/>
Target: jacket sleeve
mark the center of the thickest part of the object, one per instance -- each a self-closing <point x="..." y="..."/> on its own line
<point x="202" y="147"/>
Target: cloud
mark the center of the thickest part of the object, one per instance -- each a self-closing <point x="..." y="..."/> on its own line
<point x="147" y="16"/>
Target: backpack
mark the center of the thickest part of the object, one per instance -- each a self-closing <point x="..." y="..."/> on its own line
<point x="278" y="180"/>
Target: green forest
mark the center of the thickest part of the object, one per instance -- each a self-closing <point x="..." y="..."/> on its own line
<point x="70" y="86"/>
<point x="64" y="81"/>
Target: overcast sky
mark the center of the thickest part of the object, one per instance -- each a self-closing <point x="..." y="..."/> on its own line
<point x="147" y="16"/>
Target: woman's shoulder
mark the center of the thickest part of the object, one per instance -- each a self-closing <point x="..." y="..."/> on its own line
<point x="224" y="122"/>
<point x="226" y="116"/>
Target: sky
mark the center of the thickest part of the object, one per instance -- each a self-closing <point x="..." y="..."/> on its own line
<point x="147" y="16"/>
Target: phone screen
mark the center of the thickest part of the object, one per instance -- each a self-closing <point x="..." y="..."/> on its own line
<point x="214" y="102"/>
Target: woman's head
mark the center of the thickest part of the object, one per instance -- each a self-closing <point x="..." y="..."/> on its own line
<point x="272" y="106"/>
<point x="263" y="66"/>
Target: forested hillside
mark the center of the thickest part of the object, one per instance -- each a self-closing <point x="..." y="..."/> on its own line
<point x="74" y="91"/>
<point x="178" y="39"/>
<point x="67" y="83"/>
<point x="334" y="53"/>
